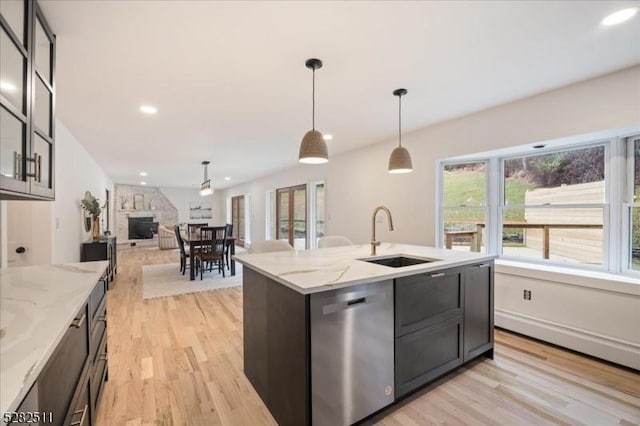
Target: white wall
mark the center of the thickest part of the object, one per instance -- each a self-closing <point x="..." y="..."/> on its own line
<point x="357" y="181"/>
<point x="180" y="198"/>
<point x="76" y="172"/>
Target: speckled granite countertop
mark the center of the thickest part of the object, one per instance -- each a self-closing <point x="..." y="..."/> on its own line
<point x="312" y="271"/>
<point x="37" y="305"/>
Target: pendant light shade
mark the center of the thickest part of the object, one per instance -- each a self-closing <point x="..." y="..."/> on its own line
<point x="205" y="187"/>
<point x="313" y="148"/>
<point x="400" y="160"/>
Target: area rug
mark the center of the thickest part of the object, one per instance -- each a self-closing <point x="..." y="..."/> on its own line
<point x="166" y="280"/>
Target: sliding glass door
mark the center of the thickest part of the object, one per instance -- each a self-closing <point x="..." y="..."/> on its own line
<point x="291" y="215"/>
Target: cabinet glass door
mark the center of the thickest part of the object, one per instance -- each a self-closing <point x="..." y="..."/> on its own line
<point x="13" y="105"/>
<point x="14" y="13"/>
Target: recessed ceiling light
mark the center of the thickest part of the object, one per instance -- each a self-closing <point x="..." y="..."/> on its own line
<point x="143" y="173"/>
<point x="9" y="87"/>
<point x="620" y="16"/>
<point x="539" y="146"/>
<point x="227" y="178"/>
<point x="148" y="109"/>
<point x="143" y="183"/>
<point x="327" y="137"/>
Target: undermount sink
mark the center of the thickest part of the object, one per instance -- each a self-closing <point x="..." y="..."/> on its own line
<point x="399" y="261"/>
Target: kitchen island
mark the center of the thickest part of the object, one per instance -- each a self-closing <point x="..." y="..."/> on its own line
<point x="52" y="342"/>
<point x="334" y="335"/>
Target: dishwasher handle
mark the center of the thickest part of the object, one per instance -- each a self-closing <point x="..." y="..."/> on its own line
<point x="335" y="307"/>
<point x="356" y="301"/>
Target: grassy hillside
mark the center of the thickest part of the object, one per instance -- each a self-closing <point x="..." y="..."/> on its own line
<point x="468" y="188"/>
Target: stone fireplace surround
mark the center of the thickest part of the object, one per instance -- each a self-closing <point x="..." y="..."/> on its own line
<point x="151" y="202"/>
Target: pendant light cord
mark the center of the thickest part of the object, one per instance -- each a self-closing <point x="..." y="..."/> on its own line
<point x="400" y="120"/>
<point x="313" y="101"/>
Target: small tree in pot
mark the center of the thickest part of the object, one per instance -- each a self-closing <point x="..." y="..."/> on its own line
<point x="90" y="205"/>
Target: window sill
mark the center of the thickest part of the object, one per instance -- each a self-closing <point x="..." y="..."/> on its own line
<point x="577" y="277"/>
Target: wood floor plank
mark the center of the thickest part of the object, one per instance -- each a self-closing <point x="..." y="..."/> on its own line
<point x="177" y="361"/>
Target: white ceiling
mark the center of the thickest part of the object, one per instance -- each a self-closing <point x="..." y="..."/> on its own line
<point x="229" y="81"/>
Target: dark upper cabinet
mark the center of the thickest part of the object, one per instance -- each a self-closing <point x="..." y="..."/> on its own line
<point x="27" y="102"/>
<point x="478" y="309"/>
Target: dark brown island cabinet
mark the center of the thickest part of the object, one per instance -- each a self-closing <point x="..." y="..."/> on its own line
<point x="308" y="357"/>
<point x="27" y="103"/>
<point x="68" y="389"/>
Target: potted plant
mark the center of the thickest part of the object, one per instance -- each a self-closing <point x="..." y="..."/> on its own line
<point x="90" y="205"/>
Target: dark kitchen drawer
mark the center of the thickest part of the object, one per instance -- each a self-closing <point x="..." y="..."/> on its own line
<point x="79" y="413"/>
<point x="425" y="354"/>
<point x="98" y="333"/>
<point x="98" y="375"/>
<point x="96" y="300"/>
<point x="59" y="379"/>
<point x="426" y="299"/>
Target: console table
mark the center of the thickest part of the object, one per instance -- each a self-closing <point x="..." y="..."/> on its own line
<point x="103" y="249"/>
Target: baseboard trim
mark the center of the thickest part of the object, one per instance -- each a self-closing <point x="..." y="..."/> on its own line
<point x="605" y="347"/>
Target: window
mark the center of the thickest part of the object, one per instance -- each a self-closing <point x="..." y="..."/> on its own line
<point x="632" y="205"/>
<point x="464" y="205"/>
<point x="317" y="209"/>
<point x="270" y="215"/>
<point x="553" y="206"/>
<point x="238" y="219"/>
<point x="571" y="203"/>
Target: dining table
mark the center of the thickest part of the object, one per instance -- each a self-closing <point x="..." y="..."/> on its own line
<point x="195" y="240"/>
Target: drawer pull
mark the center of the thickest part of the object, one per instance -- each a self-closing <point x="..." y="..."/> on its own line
<point x="102" y="318"/>
<point x="77" y="323"/>
<point x="482" y="265"/>
<point x="84" y="413"/>
<point x="437" y="274"/>
<point x="103" y="357"/>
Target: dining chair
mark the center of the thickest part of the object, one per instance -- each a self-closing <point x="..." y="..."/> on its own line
<point x="334" y="241"/>
<point x="193" y="227"/>
<point x="226" y="250"/>
<point x="185" y="255"/>
<point x="213" y="240"/>
<point x="269" y="246"/>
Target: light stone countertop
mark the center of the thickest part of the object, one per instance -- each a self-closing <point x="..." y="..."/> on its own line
<point x="313" y="271"/>
<point x="37" y="305"/>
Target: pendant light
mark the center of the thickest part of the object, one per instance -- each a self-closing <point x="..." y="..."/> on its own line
<point x="400" y="160"/>
<point x="206" y="188"/>
<point x="313" y="148"/>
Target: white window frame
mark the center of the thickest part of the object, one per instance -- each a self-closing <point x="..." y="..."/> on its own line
<point x="604" y="206"/>
<point x="628" y="203"/>
<point x="440" y="240"/>
<point x="617" y="206"/>
<point x="269" y="213"/>
<point x="312" y="207"/>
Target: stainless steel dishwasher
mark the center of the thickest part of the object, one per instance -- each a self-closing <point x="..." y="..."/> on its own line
<point x="351" y="353"/>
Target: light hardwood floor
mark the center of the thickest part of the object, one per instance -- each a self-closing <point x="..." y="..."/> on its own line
<point x="178" y="361"/>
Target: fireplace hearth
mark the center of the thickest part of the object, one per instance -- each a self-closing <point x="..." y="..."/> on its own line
<point x="142" y="228"/>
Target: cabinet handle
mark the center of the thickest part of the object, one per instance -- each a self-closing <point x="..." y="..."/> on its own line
<point x="103" y="357"/>
<point x="84" y="413"/>
<point x="102" y="318"/>
<point x="77" y="323"/>
<point x="38" y="168"/>
<point x="437" y="274"/>
<point x="482" y="265"/>
<point x="17" y="165"/>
